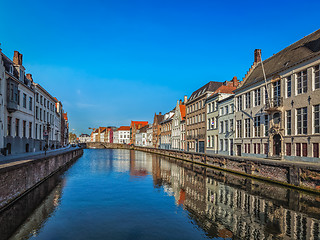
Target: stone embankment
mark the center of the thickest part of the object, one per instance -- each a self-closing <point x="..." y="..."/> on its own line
<point x="298" y="175"/>
<point x="19" y="177"/>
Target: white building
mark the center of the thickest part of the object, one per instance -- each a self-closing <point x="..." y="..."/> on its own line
<point x="149" y="135"/>
<point x="122" y="135"/>
<point x="226" y="125"/>
<point x="177" y="128"/>
<point x="83" y="138"/>
<point x="141" y="136"/>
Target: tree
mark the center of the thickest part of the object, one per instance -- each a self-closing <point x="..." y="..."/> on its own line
<point x="72" y="137"/>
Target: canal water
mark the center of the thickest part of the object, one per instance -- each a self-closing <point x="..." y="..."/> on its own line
<point x="126" y="194"/>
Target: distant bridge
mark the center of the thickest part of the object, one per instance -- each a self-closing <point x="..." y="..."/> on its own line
<point x="103" y="145"/>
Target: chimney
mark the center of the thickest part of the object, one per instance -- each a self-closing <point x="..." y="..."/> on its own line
<point x="180" y="102"/>
<point x="257" y="55"/>
<point x="17" y="58"/>
<point x="29" y="76"/>
<point x="235" y="81"/>
<point x="185" y="99"/>
<point x="159" y="113"/>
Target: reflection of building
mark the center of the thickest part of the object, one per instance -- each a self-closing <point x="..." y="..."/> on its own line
<point x="225" y="210"/>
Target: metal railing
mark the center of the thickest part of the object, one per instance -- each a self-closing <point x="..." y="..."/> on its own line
<point x="274" y="103"/>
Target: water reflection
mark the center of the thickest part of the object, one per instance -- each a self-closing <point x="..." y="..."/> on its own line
<point x="227" y="205"/>
<point x="221" y="204"/>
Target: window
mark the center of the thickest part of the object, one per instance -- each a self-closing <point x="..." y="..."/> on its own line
<point x="221" y="127"/>
<point x="212" y="141"/>
<point x="226" y="123"/>
<point x="239" y="128"/>
<point x="24" y="128"/>
<point x="36" y="131"/>
<point x="9" y="126"/>
<point x="40" y="114"/>
<point x="18" y="97"/>
<point x="221" y="145"/>
<point x="304" y="150"/>
<point x="298" y="149"/>
<point x="226" y="110"/>
<point x="226" y="145"/>
<point x="30" y="129"/>
<point x="44" y="102"/>
<point x="316" y="117"/>
<point x="41" y="98"/>
<point x="209" y="108"/>
<point x="231" y="108"/>
<point x="248" y="100"/>
<point x="257" y="97"/>
<point x="288" y="122"/>
<point x="247" y="127"/>
<point x="276" y="118"/>
<point x="248" y="146"/>
<point x="276" y="89"/>
<point x="288" y="149"/>
<point x="24" y="100"/>
<point x="257" y="124"/>
<point x="37" y="97"/>
<point x="221" y="111"/>
<point x="30" y="103"/>
<point x="17" y="127"/>
<point x="316" y="77"/>
<point x="302" y="80"/>
<point x="255" y="148"/>
<point x="239" y="103"/>
<point x="302" y="120"/>
<point x="231" y="125"/>
<point x="258" y="150"/>
<point x="288" y="83"/>
<point x="208" y="144"/>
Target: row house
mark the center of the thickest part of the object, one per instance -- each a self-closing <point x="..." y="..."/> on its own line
<point x="226" y="126"/>
<point x="279" y="116"/>
<point x="166" y="130"/>
<point x="134" y="127"/>
<point x="196" y="117"/>
<point x="25" y="127"/>
<point x="149" y="136"/>
<point x="83" y="138"/>
<point x="214" y="127"/>
<point x="156" y="129"/>
<point x="141" y="136"/>
<point x="178" y="125"/>
<point x="64" y="129"/>
<point x="122" y="135"/>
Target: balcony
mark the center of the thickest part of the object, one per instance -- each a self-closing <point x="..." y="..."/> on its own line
<point x="274" y="104"/>
<point x="196" y="137"/>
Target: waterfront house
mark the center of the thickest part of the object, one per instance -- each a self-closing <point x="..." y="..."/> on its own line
<point x="134" y="127"/>
<point x="166" y="130"/>
<point x="195" y="116"/>
<point x="177" y="121"/>
<point x="279" y="118"/>
<point x="149" y="136"/>
<point x="141" y="136"/>
<point x="213" y="113"/>
<point x="158" y="118"/>
<point x="122" y="135"/>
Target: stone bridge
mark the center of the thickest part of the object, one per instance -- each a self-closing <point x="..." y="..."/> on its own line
<point x="102" y="145"/>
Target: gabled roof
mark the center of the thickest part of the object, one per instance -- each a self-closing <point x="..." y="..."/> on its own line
<point x="124" y="128"/>
<point x="296" y="53"/>
<point x="209" y="87"/>
<point x="143" y="129"/>
<point x="137" y="123"/>
<point x="65" y="116"/>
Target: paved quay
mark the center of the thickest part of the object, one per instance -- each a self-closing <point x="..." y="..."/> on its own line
<point x="33" y="155"/>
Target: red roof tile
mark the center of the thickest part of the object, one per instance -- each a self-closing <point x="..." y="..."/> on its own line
<point x="124" y="128"/>
<point x="182" y="111"/>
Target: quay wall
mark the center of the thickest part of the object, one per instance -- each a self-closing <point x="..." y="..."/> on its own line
<point x="19" y="177"/>
<point x="299" y="175"/>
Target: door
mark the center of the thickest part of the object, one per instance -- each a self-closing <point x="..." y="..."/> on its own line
<point x="316" y="150"/>
<point x="276" y="145"/>
<point x="201" y="146"/>
<point x="238" y="150"/>
<point x="231" y="147"/>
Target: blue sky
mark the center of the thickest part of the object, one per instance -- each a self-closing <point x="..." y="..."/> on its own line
<point x="111" y="62"/>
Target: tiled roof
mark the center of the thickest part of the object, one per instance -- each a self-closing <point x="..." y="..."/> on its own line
<point x="144" y="129"/>
<point x="299" y="51"/>
<point x="209" y="87"/>
<point x="65" y="116"/>
<point x="182" y="111"/>
<point x="135" y="123"/>
<point x="124" y="128"/>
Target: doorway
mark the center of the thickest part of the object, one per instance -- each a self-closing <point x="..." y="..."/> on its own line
<point x="276" y="145"/>
<point x="238" y="149"/>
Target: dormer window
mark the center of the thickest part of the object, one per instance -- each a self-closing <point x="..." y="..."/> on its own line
<point x="11" y="69"/>
<point x="21" y="75"/>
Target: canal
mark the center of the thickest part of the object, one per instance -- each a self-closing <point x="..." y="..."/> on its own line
<point x="126" y="194"/>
